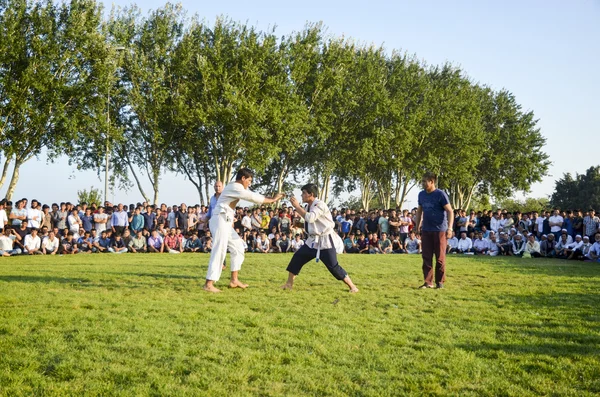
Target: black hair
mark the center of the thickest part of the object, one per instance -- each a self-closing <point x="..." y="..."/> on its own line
<point x="244" y="173"/>
<point x="311" y="188"/>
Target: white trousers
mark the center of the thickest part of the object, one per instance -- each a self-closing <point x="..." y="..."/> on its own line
<point x="224" y="236"/>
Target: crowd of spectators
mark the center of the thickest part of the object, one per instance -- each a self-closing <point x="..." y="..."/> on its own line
<point x="66" y="228"/>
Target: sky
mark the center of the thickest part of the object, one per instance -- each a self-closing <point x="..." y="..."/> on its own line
<point x="547" y="53"/>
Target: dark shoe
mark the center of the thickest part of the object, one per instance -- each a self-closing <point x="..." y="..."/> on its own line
<point x="439" y="286"/>
<point x="425" y="286"/>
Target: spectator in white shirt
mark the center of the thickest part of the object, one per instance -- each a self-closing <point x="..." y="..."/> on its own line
<point x="50" y="244"/>
<point x="3" y="216"/>
<point x="33" y="243"/>
<point x="74" y="223"/>
<point x="480" y="245"/>
<point x="556" y="222"/>
<point x="495" y="222"/>
<point x="452" y="244"/>
<point x="297" y="243"/>
<point x="573" y="250"/>
<point x="594" y="253"/>
<point x="494" y="247"/>
<point x="34" y="215"/>
<point x="533" y="247"/>
<point x="7" y="242"/>
<point x="585" y="248"/>
<point x="465" y="244"/>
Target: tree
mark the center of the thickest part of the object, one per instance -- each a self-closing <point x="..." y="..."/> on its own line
<point x="90" y="197"/>
<point x="45" y="77"/>
<point x="581" y="192"/>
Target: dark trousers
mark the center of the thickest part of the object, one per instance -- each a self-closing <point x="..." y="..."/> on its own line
<point x="328" y="257"/>
<point x="434" y="243"/>
<point x="119" y="229"/>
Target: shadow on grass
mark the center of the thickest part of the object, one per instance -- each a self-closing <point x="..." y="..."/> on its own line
<point x="543" y="266"/>
<point x="86" y="283"/>
<point x="43" y="279"/>
<point x="558" y="348"/>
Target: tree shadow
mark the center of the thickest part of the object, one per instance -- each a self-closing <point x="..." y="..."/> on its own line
<point x="544" y="266"/>
<point x="44" y="279"/>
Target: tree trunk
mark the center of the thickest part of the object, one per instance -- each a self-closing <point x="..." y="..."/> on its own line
<point x="156" y="179"/>
<point x="5" y="170"/>
<point x="137" y="181"/>
<point x="15" y="178"/>
<point x="206" y="184"/>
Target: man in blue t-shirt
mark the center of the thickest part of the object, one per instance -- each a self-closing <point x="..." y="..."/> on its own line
<point x="432" y="222"/>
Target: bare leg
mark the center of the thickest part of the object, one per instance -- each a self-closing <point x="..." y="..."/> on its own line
<point x="209" y="286"/>
<point x="290" y="282"/>
<point x="350" y="284"/>
<point x="235" y="283"/>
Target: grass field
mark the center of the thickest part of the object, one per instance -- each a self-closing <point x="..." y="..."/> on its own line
<point x="141" y="325"/>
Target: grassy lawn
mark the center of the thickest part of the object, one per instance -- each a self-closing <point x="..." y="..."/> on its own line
<point x="141" y="325"/>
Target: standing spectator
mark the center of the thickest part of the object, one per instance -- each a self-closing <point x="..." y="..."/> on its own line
<point x="34" y="215"/>
<point x="18" y="215"/>
<point x="119" y="220"/>
<point x="405" y="225"/>
<point x="137" y="221"/>
<point x="149" y="219"/>
<point x="74" y="223"/>
<point x="433" y="214"/>
<point x="100" y="220"/>
<point x="372" y="225"/>
<point x="556" y="222"/>
<point x="578" y="223"/>
<point x="590" y="223"/>
<point x="60" y="217"/>
<point x="3" y="216"/>
<point x="383" y="224"/>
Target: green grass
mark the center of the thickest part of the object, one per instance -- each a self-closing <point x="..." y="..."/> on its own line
<point x="141" y="325"/>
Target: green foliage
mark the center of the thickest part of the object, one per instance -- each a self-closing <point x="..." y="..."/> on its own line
<point x="91" y="196"/>
<point x="141" y="325"/>
<point x="581" y="192"/>
<point x="530" y="204"/>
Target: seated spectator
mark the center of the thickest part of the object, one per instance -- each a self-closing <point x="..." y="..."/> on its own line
<point x="412" y="244"/>
<point x="374" y="244"/>
<point x="533" y="247"/>
<point x="363" y="244"/>
<point x="505" y="245"/>
<point x="155" y="242"/>
<point x="585" y="249"/>
<point x="480" y="245"/>
<point x="8" y="241"/>
<point x="85" y="243"/>
<point x="452" y="244"/>
<point x="385" y="245"/>
<point x="465" y="245"/>
<point x="273" y="241"/>
<point x="494" y="246"/>
<point x="518" y="245"/>
<point x="126" y="237"/>
<point x="263" y="244"/>
<point x="207" y="245"/>
<point x="297" y="243"/>
<point x="594" y="253"/>
<point x="117" y="245"/>
<point x="173" y="242"/>
<point x="138" y="243"/>
<point x="33" y="244"/>
<point x="573" y="250"/>
<point x="284" y="245"/>
<point x="397" y="246"/>
<point x="50" y="244"/>
<point x="350" y="246"/>
<point x="68" y="245"/>
<point x="548" y="246"/>
<point x="102" y="244"/>
<point x="193" y="244"/>
<point x="561" y="246"/>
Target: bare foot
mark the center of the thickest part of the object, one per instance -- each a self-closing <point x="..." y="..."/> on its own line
<point x="237" y="284"/>
<point x="210" y="288"/>
<point x="286" y="286"/>
<point x="353" y="290"/>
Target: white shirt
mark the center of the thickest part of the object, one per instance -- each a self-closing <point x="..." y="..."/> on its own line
<point x="246" y="222"/>
<point x="74" y="224"/>
<point x="540" y="223"/>
<point x="576" y="245"/>
<point x="3" y="218"/>
<point x="493" y="247"/>
<point x="34" y="217"/>
<point x="296" y="244"/>
<point x="231" y="195"/>
<point x="453" y="242"/>
<point x="319" y="226"/>
<point x="494" y="224"/>
<point x="465" y="244"/>
<point x="531" y="248"/>
<point x="100" y="227"/>
<point x="595" y="249"/>
<point x="32" y="243"/>
<point x="556" y="219"/>
<point x="6" y="243"/>
<point x="50" y="245"/>
<point x="481" y="245"/>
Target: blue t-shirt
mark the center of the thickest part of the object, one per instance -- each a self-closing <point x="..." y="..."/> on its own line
<point x="434" y="214"/>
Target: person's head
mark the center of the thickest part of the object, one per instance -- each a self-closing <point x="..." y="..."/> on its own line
<point x="244" y="176"/>
<point x="33" y="231"/>
<point x="310" y="192"/>
<point x="531" y="238"/>
<point x="412" y="234"/>
<point x="120" y="207"/>
<point x="383" y="235"/>
<point x="550" y="237"/>
<point x="297" y="236"/>
<point x="172" y="231"/>
<point x="597" y="237"/>
<point x="428" y="181"/>
<point x="586" y="240"/>
<point x="578" y="238"/>
<point x="138" y="233"/>
<point x="70" y="236"/>
<point x="492" y="237"/>
<point x="126" y="233"/>
<point x="208" y="234"/>
<point x="463" y="235"/>
<point x="117" y="236"/>
<point x="103" y="234"/>
<point x="218" y="187"/>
